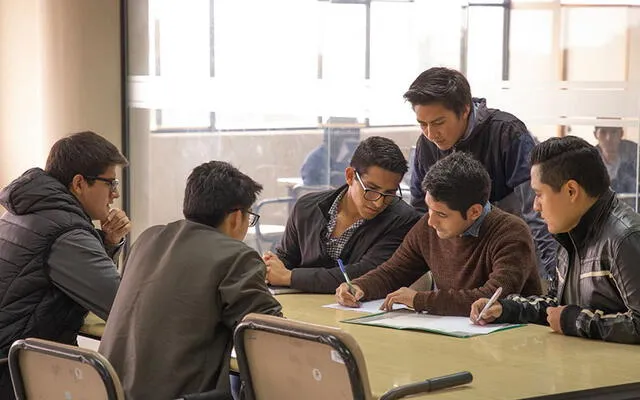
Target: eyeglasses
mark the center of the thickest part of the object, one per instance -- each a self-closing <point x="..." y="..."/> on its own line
<point x="373" y="195"/>
<point x="253" y="217"/>
<point x="114" y="183"/>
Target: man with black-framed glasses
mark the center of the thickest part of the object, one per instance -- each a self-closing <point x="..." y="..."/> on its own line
<point x="189" y="283"/>
<point x="360" y="223"/>
<point x="55" y="265"/>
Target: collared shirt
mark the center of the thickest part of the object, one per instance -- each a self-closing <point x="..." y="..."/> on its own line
<point x="474" y="229"/>
<point x="336" y="244"/>
<point x="472" y="121"/>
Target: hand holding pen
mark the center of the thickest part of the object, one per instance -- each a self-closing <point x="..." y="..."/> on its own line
<point x="484" y="311"/>
<point x="347" y="293"/>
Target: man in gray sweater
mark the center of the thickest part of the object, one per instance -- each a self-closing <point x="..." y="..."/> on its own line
<point x="185" y="287"/>
<point x="55" y="266"/>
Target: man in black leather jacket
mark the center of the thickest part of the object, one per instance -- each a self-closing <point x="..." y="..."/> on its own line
<point x="596" y="291"/>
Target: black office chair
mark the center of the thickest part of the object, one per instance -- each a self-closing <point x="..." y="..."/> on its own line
<point x="333" y="364"/>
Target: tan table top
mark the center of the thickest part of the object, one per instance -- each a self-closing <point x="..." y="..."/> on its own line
<point x="516" y="363"/>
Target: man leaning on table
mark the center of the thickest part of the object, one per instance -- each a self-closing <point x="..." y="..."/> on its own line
<point x="471" y="248"/>
<point x="596" y="291"/>
<point x="362" y="223"/>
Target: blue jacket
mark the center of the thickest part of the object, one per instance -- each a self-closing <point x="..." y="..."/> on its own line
<point x="502" y="143"/>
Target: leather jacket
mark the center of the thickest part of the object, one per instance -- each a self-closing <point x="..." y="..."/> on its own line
<point x="605" y="246"/>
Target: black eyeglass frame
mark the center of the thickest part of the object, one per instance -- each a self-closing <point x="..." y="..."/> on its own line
<point x="394" y="197"/>
<point x="253" y="217"/>
<point x="114" y="183"/>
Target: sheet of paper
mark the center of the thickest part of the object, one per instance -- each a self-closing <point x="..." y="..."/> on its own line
<point x="454" y="326"/>
<point x="369" y="307"/>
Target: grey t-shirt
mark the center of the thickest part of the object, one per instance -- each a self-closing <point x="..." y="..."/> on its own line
<point x="85" y="270"/>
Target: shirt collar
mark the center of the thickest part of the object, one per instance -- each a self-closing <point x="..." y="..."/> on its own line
<point x="472" y="121"/>
<point x="474" y="229"/>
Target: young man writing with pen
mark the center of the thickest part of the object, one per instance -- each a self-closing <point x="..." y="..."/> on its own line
<point x="362" y="223"/>
<point x="595" y="291"/>
<point x="470" y="247"/>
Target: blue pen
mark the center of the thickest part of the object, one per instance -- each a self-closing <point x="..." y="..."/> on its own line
<point x="346" y="277"/>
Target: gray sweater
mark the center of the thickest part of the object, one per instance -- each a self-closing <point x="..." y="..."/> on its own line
<point x="184" y="289"/>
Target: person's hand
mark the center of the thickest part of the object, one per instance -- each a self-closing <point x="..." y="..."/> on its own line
<point x="268" y="255"/>
<point x="553" y="318"/>
<point x="346" y="298"/>
<point x="404" y="295"/>
<point x="490" y="315"/>
<point x="277" y="273"/>
<point x="115" y="226"/>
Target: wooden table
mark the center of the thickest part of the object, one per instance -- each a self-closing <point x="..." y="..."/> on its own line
<point x="516" y="363"/>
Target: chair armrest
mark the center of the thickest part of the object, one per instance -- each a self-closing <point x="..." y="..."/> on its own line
<point x="429" y="385"/>
<point x="210" y="395"/>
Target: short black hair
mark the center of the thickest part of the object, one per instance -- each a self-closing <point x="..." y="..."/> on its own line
<point x="83" y="153"/>
<point x="459" y="181"/>
<point x="215" y="189"/>
<point x="377" y="151"/>
<point x="441" y="85"/>
<point x="564" y="158"/>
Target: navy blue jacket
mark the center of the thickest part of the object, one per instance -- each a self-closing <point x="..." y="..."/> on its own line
<point x="502" y="143"/>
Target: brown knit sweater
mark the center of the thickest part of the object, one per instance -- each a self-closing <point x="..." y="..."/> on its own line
<point x="464" y="268"/>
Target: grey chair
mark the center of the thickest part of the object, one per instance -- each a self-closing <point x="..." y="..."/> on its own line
<point x="267" y="235"/>
<point x="332" y="356"/>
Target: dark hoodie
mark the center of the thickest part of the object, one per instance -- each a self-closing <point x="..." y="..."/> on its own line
<point x="502" y="143"/>
<point x="38" y="297"/>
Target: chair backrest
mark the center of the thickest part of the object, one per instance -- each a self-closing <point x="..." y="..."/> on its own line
<point x="412" y="156"/>
<point x="285" y="359"/>
<point x="41" y="369"/>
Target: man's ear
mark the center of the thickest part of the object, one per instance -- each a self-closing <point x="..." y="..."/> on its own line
<point x="573" y="189"/>
<point x="349" y="175"/>
<point x="474" y="212"/>
<point x="235" y="219"/>
<point x="77" y="184"/>
<point x="465" y="113"/>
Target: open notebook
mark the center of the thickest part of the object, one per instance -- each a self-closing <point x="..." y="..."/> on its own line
<point x="452" y="326"/>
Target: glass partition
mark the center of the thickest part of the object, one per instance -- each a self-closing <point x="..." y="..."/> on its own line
<point x="285" y="89"/>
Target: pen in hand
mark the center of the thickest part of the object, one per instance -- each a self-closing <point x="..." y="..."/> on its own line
<point x="491" y="302"/>
<point x="346" y="277"/>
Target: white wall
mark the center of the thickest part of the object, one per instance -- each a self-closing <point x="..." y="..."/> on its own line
<point x="59" y="73"/>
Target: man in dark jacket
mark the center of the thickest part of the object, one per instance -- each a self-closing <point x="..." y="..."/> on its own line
<point x="452" y="121"/>
<point x="595" y="293"/>
<point x="186" y="286"/>
<point x="362" y="223"/>
<point x="55" y="265"/>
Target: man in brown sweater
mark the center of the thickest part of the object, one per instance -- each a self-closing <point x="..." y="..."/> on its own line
<point x="470" y="247"/>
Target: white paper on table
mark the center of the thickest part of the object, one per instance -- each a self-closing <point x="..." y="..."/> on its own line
<point x="369" y="307"/>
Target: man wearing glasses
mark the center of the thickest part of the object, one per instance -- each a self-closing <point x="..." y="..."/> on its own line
<point x="360" y="223"/>
<point x="187" y="285"/>
<point x="470" y="247"/>
<point x="55" y="266"/>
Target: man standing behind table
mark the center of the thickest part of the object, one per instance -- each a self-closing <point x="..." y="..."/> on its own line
<point x="451" y="120"/>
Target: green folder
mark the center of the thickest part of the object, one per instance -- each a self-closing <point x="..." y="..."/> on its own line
<point x="459" y="327"/>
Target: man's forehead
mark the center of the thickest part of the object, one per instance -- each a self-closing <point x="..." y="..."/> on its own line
<point x="436" y="205"/>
